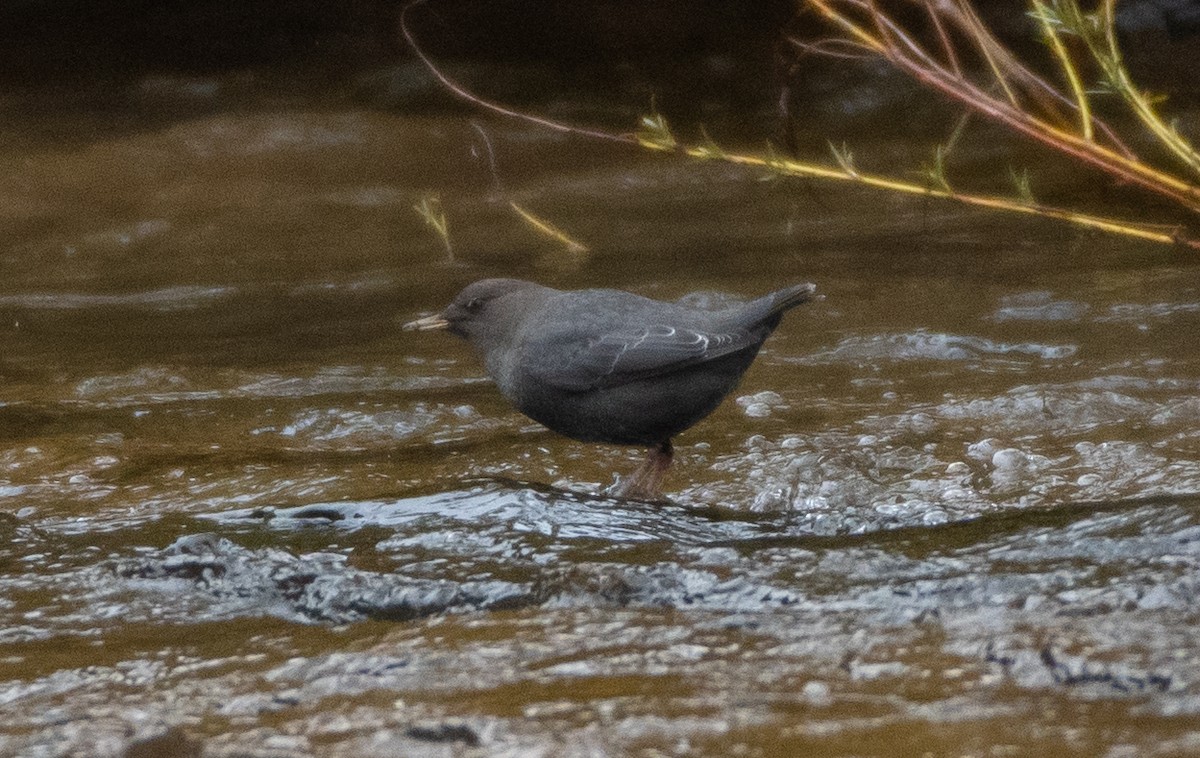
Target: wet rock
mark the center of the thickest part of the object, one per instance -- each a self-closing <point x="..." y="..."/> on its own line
<point x="314" y="587"/>
<point x="444" y="731"/>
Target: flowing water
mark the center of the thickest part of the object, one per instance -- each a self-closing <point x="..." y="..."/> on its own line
<point x="951" y="510"/>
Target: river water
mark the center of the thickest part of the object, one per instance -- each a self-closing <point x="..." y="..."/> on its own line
<point x="951" y="510"/>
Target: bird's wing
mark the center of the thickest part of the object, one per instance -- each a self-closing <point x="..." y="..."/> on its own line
<point x="577" y="362"/>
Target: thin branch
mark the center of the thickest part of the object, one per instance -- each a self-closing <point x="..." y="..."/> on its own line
<point x="491" y="155"/>
<point x="857" y="32"/>
<point x="1118" y="165"/>
<point x="474" y="99"/>
<point x="1137" y="100"/>
<point x="944" y="38"/>
<point x="849" y="173"/>
<point x="1047" y="96"/>
<point x="892" y="42"/>
<point x="548" y="229"/>
<point x="1024" y="122"/>
<point x="988" y="47"/>
<point x="833" y="48"/>
<point x="1042" y="13"/>
<point x="960" y="126"/>
<point x="896" y="40"/>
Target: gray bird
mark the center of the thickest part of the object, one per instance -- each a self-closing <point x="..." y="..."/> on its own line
<point x="603" y="365"/>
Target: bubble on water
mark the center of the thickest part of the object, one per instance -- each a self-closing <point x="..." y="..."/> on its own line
<point x="984" y="449"/>
<point x="934" y="517"/>
<point x="817" y="693"/>
<point x="1009" y="459"/>
<point x="761" y="404"/>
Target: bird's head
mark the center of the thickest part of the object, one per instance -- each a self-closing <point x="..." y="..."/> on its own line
<point x="488" y="309"/>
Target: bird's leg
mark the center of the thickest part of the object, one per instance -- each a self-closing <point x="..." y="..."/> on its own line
<point x="646" y="482"/>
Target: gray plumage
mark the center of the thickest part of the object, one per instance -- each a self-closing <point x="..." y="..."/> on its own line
<point x="604" y="365"/>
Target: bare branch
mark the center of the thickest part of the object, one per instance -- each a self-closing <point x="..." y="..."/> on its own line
<point x="478" y="101"/>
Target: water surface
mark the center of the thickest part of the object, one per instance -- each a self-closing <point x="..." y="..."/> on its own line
<point x="951" y="509"/>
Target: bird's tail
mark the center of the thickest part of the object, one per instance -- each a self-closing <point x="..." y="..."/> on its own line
<point x="789" y="297"/>
<point x="768" y="309"/>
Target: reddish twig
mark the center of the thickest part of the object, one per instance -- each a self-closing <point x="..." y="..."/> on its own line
<point x="476" y="100"/>
<point x="891" y="41"/>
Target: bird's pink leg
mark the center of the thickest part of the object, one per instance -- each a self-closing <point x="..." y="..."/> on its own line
<point x="646" y="482"/>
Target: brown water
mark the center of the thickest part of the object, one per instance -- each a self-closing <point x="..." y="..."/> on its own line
<point x="952" y="509"/>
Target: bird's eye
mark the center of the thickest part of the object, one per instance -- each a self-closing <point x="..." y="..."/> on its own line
<point x="474" y="304"/>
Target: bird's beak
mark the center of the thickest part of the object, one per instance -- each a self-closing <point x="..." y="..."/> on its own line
<point x="426" y="324"/>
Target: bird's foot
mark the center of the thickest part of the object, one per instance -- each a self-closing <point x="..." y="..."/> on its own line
<point x="646" y="483"/>
<point x="632" y="488"/>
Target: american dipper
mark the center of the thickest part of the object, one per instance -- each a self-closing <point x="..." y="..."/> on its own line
<point x="604" y="365"/>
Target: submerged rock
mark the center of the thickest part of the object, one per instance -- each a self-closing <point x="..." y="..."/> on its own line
<point x="313" y="587"/>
